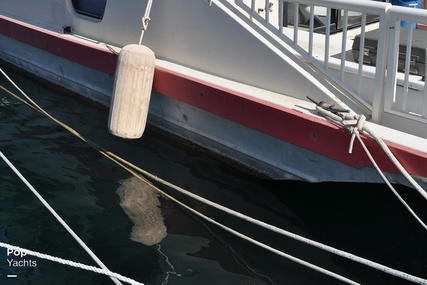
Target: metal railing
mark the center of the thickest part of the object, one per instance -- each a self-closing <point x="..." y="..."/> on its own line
<point x="406" y="97"/>
<point x="294" y="23"/>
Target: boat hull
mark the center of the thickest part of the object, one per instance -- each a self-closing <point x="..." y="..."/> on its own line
<point x="276" y="140"/>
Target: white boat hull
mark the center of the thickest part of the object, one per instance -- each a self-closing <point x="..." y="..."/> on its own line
<point x="234" y="115"/>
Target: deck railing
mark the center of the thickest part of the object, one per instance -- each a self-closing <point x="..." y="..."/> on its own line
<point x="404" y="96"/>
<point x="317" y="49"/>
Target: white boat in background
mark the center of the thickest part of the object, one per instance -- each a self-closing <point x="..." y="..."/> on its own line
<point x="234" y="76"/>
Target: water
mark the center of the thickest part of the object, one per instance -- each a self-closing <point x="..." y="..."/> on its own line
<point x="81" y="185"/>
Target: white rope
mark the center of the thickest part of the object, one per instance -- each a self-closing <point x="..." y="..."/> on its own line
<point x="119" y="162"/>
<point x="344" y="254"/>
<point x="388" y="182"/>
<point x="106" y="271"/>
<point x="63" y="223"/>
<point x="133" y="168"/>
<point x="273" y="250"/>
<point x="361" y="126"/>
<point x="291" y="235"/>
<point x="20" y="91"/>
<point x="145" y="20"/>
<point x="396" y="162"/>
<point x="71" y="263"/>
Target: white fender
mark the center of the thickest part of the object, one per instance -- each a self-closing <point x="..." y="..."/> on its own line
<point x="132" y="91"/>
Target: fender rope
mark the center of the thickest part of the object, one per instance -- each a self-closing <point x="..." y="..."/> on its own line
<point x="145" y="20"/>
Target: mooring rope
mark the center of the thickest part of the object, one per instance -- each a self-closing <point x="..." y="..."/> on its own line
<point x="338" y="252"/>
<point x="130" y="168"/>
<point x="374" y="163"/>
<point x="358" y="125"/>
<point x="361" y="127"/>
<point x="136" y="171"/>
<point x="112" y="275"/>
<point x="57" y="216"/>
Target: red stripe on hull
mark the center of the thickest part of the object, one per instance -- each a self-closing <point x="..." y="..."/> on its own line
<point x="99" y="59"/>
<point x="285" y="124"/>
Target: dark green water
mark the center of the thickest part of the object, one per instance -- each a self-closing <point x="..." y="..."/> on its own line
<point x="81" y="185"/>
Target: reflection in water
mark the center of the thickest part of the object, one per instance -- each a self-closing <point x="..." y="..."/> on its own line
<point x="141" y="203"/>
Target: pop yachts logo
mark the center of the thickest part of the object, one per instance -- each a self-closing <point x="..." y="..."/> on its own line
<point x="12" y="260"/>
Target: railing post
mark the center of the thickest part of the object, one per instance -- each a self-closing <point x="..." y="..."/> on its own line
<point x="311" y="31"/>
<point x="284" y="13"/>
<point x="383" y="50"/>
<point x="267" y="11"/>
<point x="393" y="56"/>
<point x="282" y="17"/>
<point x="361" y="54"/>
<point x="407" y="69"/>
<point x="327" y="37"/>
<point x="296" y="21"/>
<point x="343" y="44"/>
